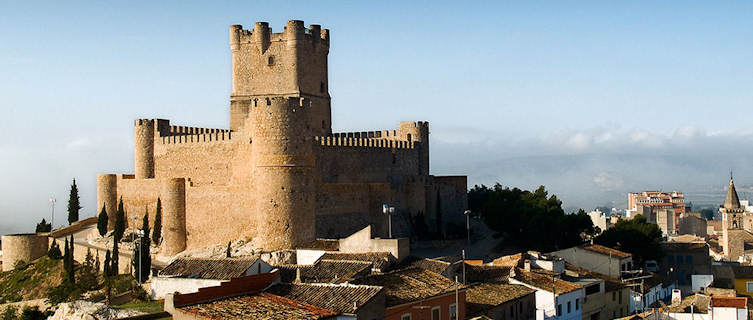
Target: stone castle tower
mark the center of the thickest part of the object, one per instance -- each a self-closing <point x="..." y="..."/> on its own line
<point x="279" y="176"/>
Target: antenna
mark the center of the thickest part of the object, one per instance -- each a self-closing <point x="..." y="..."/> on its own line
<point x="52" y="205"/>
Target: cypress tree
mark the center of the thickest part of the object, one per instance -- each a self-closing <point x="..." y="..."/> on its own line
<point x="114" y="270"/>
<point x="102" y="221"/>
<point x="66" y="258"/>
<point x="71" y="264"/>
<point x="157" y="232"/>
<point x="106" y="268"/>
<point x="54" y="252"/>
<point x="119" y="227"/>
<point x="74" y="204"/>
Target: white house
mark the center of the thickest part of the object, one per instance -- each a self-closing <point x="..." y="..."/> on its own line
<point x="702" y="307"/>
<point x="188" y="275"/>
<point x="555" y="298"/>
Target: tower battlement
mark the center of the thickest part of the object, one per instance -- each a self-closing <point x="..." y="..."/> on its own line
<point x="262" y="34"/>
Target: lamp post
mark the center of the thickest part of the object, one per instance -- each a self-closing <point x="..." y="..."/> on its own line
<point x="133" y="238"/>
<point x="141" y="243"/>
<point x="386" y="209"/>
<point x="467" y="214"/>
<point x="52" y="205"/>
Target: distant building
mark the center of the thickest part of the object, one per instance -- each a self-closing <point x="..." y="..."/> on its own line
<point x="599" y="220"/>
<point x="694" y="224"/>
<point x="663" y="208"/>
<point x="737" y="240"/>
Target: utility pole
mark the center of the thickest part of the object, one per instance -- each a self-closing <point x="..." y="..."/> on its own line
<point x="457" y="304"/>
<point x="463" y="261"/>
<point x="467" y="214"/>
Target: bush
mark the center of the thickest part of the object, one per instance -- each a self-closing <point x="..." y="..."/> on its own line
<point x="20" y="265"/>
<point x="54" y="252"/>
<point x="10" y="313"/>
<point x="140" y="294"/>
<point x="33" y="313"/>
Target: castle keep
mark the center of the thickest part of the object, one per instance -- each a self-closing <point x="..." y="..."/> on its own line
<point x="279" y="175"/>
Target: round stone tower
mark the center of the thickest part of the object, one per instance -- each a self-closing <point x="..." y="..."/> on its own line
<point x="174" y="216"/>
<point x="283" y="172"/>
<point x="144" y="148"/>
<point x="22" y="247"/>
<point x="107" y="187"/>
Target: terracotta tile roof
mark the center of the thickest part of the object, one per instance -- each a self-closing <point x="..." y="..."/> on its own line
<point x="322" y="244"/>
<point x="382" y="260"/>
<point x="730" y="302"/>
<point x="508" y="261"/>
<point x="433" y="265"/>
<point x="336" y="271"/>
<point x="197" y="268"/>
<point x="482" y="297"/>
<point x="288" y="271"/>
<point x="410" y="285"/>
<point x="337" y="297"/>
<point x="699" y="303"/>
<point x="544" y="282"/>
<point x="257" y="306"/>
<point x="607" y="251"/>
<point x="487" y="274"/>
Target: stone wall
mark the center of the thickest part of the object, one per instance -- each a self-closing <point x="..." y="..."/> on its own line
<point x="22" y="247"/>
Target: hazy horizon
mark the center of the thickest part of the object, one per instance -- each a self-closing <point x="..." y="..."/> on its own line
<point x="591" y="99"/>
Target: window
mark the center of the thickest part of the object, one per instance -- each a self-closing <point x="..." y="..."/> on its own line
<point x="271" y="60"/>
<point x="749" y="286"/>
<point x="321" y="87"/>
<point x="671" y="259"/>
<point x="689" y="259"/>
<point x="435" y="313"/>
<point x="568" y="307"/>
<point x="559" y="310"/>
<point x="511" y="311"/>
<point x="620" y="296"/>
<point x="614" y="295"/>
<point x="453" y="312"/>
<point x="577" y="304"/>
<point x="405" y="316"/>
<point x="679" y="259"/>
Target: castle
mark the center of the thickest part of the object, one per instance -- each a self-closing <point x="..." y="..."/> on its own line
<point x="279" y="176"/>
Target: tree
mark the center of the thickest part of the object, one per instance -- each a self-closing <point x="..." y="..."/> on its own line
<point x="636" y="236"/>
<point x="71" y="263"/>
<point x="107" y="275"/>
<point x="66" y="260"/>
<point x="88" y="274"/>
<point x="106" y="268"/>
<point x="114" y="270"/>
<point x="119" y="227"/>
<point x="529" y="220"/>
<point x="142" y="261"/>
<point x="157" y="232"/>
<point x="43" y="226"/>
<point x="74" y="204"/>
<point x="102" y="222"/>
<point x="54" y="252"/>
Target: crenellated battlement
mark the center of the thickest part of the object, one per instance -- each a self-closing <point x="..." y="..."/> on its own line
<point x="186" y="131"/>
<point x="342" y="141"/>
<point x="198" y="137"/>
<point x="262" y="35"/>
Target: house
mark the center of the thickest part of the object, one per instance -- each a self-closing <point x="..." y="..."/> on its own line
<point x="501" y="301"/>
<point x="611" y="301"/>
<point x="647" y="290"/>
<point x="743" y="280"/>
<point x="686" y="259"/>
<point x="414" y="294"/>
<point x="555" y="298"/>
<point x="598" y="258"/>
<point x="187" y="275"/>
<point x="259" y="305"/>
<point x="703" y="307"/>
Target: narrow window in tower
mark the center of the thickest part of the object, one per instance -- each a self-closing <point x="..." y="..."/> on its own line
<point x="271" y="60"/>
<point x="269" y="102"/>
<point x="410" y="138"/>
<point x="321" y="87"/>
<point x="324" y="124"/>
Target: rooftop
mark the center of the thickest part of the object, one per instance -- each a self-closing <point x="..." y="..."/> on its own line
<point x="487" y="274"/>
<point x="381" y="260"/>
<point x="607" y="251"/>
<point x="335" y="271"/>
<point x="729" y="302"/>
<point x="257" y="306"/>
<point x="411" y="285"/>
<point x="545" y="282"/>
<point x="482" y="297"/>
<point x="322" y="244"/>
<point x="199" y="268"/>
<point x="338" y="297"/>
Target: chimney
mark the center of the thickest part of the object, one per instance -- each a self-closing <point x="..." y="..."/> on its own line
<point x="297" y="275"/>
<point x="676" y="296"/>
<point x="527" y="265"/>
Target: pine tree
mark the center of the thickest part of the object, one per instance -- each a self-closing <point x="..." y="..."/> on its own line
<point x="44" y="226"/>
<point x="119" y="227"/>
<point x="74" y="204"/>
<point x="102" y="221"/>
<point x="54" y="252"/>
<point x="157" y="232"/>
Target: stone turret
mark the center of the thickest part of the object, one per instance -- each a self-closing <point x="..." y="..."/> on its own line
<point x="292" y="62"/>
<point x="144" y="148"/>
<point x="174" y="231"/>
<point x="107" y="186"/>
<point x="283" y="172"/>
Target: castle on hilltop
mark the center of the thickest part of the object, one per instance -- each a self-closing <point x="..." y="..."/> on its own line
<point x="279" y="176"/>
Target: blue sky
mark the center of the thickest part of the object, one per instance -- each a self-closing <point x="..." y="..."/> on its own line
<point x="560" y="93"/>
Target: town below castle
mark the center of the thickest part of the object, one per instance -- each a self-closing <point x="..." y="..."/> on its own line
<point x="278" y="217"/>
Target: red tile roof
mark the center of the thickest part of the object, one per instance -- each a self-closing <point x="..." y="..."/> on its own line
<point x="207" y="268"/>
<point x="607" y="251"/>
<point x="411" y="285"/>
<point x="730" y="302"/>
<point x="257" y="306"/>
<point x="545" y="282"/>
<point x="341" y="297"/>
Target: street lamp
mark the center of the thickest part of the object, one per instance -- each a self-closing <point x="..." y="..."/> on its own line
<point x="133" y="239"/>
<point x="467" y="214"/>
<point x="386" y="209"/>
<point x="52" y="204"/>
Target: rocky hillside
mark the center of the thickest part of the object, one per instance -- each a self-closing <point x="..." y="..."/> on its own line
<point x="31" y="282"/>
